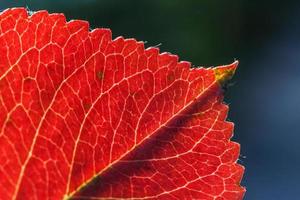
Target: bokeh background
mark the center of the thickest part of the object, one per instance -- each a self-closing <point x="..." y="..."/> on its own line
<point x="265" y="97"/>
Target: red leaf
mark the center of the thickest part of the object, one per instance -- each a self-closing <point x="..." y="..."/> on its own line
<point x="87" y="117"/>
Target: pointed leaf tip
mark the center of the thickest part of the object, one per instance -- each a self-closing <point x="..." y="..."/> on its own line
<point x="225" y="73"/>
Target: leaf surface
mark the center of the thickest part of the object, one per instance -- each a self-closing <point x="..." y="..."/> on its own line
<point x="85" y="116"/>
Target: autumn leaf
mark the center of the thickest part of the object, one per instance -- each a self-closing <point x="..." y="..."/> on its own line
<point x="87" y="117"/>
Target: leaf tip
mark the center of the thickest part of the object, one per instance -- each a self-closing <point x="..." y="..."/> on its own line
<point x="225" y="73"/>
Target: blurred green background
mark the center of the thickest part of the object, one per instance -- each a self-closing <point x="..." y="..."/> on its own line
<point x="265" y="98"/>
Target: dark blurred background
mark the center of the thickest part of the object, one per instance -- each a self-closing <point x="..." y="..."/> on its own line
<point x="265" y="98"/>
